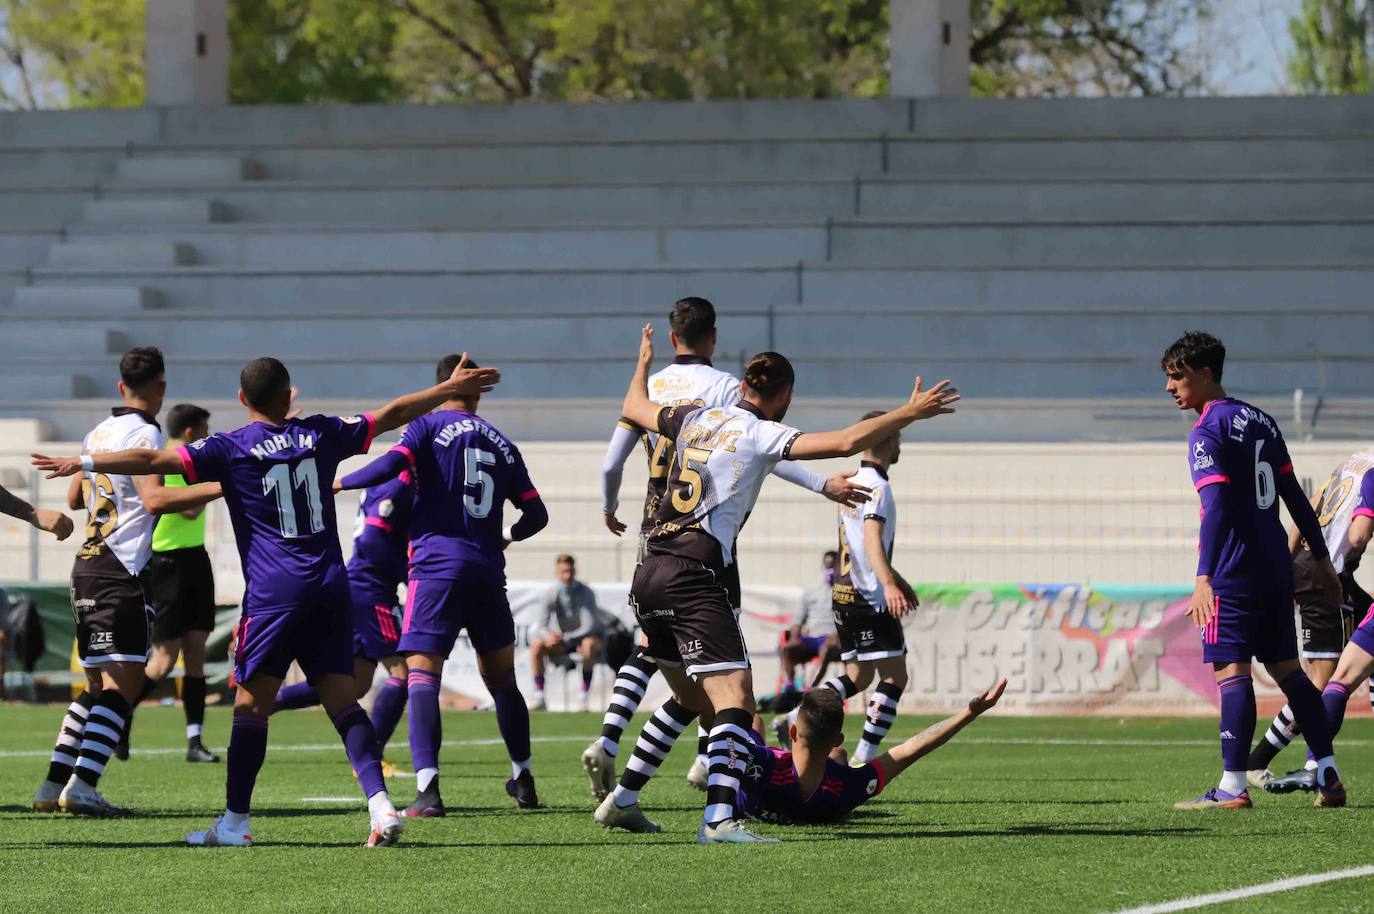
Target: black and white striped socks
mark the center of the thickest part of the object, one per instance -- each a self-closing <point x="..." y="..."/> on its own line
<point x="728" y="753"/>
<point x="68" y="748"/>
<point x="104" y="727"/>
<point x="655" y="742"/>
<point x="882" y="711"/>
<point x="631" y="681"/>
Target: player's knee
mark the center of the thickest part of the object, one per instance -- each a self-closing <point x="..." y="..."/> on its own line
<point x="897" y="678"/>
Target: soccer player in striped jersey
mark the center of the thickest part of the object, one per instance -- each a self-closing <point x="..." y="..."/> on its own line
<point x="112" y="613"/>
<point x="378" y="566"/>
<point x="720" y="457"/>
<point x="1326" y="627"/>
<point x="1243" y="595"/>
<point x="690" y="379"/>
<point x="277" y="473"/>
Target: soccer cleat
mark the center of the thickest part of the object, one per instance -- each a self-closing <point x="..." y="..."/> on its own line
<point x="600" y="767"/>
<point x="1259" y="778"/>
<point x="697" y="775"/>
<point x="80" y="799"/>
<point x="46" y="798"/>
<point x="782" y="730"/>
<point x="1303" y="779"/>
<point x="537" y="703"/>
<point x="630" y="818"/>
<point x="1216" y="798"/>
<point x="196" y="752"/>
<point x="386" y="830"/>
<point x="221" y="835"/>
<point x="731" y="831"/>
<point x="428" y="804"/>
<point x="1330" y="795"/>
<point x="522" y="789"/>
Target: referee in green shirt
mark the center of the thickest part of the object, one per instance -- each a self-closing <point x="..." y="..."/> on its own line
<point x="180" y="585"/>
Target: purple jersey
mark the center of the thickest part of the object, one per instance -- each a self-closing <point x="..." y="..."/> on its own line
<point x="278" y="483"/>
<point x="771" y="791"/>
<point x="467" y="470"/>
<point x="1240" y="447"/>
<point x="381" y="536"/>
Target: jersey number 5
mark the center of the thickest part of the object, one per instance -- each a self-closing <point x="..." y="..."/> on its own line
<point x="688" y="495"/>
<point x="474" y="458"/>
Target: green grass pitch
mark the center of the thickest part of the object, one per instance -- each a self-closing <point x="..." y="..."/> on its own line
<point x="1017" y="814"/>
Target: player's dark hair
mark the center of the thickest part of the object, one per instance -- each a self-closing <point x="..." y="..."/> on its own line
<point x="140" y="366"/>
<point x="444" y="370"/>
<point x="872" y="414"/>
<point x="565" y="559"/>
<point x="1196" y="350"/>
<point x="769" y="372"/>
<point x="820" y="717"/>
<point x="692" y="319"/>
<point x="184" y="416"/>
<point x="264" y="381"/>
<point x="830" y="559"/>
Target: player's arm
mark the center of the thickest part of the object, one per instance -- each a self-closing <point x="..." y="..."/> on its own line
<point x="623" y="442"/>
<point x="137" y="461"/>
<point x="464" y="382"/>
<point x="76" y="498"/>
<point x="54" y="522"/>
<point x="898" y="603"/>
<point x="1305" y="518"/>
<point x="159" y="499"/>
<point x="1294" y="534"/>
<point x="637" y="407"/>
<point x="859" y="437"/>
<point x="901" y="757"/>
<point x="837" y="488"/>
<point x="534" y="516"/>
<point x="385" y="468"/>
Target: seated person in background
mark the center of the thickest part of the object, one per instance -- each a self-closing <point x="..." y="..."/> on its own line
<point x="812" y="633"/>
<point x="813" y="783"/>
<point x="571" y="623"/>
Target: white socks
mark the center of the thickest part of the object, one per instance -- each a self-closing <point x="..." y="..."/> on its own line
<point x="424" y="777"/>
<point x="1233" y="782"/>
<point x="517" y="767"/>
<point x="379" y="804"/>
<point x="236" y="820"/>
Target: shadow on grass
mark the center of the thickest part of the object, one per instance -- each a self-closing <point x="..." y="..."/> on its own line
<point x="1014" y="831"/>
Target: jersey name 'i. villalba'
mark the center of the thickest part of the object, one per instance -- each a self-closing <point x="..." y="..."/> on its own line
<point x="1240" y="447"/>
<point x="467" y="470"/>
<point x="381" y="539"/>
<point x="278" y="484"/>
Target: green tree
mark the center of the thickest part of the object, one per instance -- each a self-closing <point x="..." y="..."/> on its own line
<point x="1331" y="47"/>
<point x="292" y="52"/>
<point x="72" y="53"/>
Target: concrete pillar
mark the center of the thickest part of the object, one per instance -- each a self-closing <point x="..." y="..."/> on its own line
<point x="928" y="43"/>
<point x="187" y="54"/>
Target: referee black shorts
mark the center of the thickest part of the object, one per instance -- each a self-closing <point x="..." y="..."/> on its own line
<point x="181" y="586"/>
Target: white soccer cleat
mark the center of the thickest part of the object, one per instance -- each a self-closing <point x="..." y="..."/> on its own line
<point x="629" y="818"/>
<point x="1258" y="777"/>
<point x="46" y="798"/>
<point x="731" y="831"/>
<point x="386" y="830"/>
<point x="81" y="799"/>
<point x="221" y="834"/>
<point x="537" y="703"/>
<point x="600" y="767"/>
<point x="698" y="775"/>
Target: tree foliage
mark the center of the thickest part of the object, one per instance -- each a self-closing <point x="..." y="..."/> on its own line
<point x="71" y="53"/>
<point x="1331" y="46"/>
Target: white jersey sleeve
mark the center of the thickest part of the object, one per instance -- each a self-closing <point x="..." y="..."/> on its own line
<point x="772" y="440"/>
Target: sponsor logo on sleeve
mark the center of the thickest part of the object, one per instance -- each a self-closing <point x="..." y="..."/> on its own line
<point x="1201" y="459"/>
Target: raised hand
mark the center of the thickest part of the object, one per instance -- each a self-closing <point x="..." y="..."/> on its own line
<point x="646" y="345"/>
<point x="934" y="402"/>
<point x="985" y="700"/>
<point x="850" y="494"/>
<point x="56" y="466"/>
<point x="469" y="382"/>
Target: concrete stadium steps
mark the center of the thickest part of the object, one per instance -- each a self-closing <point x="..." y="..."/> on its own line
<point x="157" y="170"/>
<point x="713" y="200"/>
<point x="93" y="299"/>
<point x="41" y="166"/>
<point x="21" y="246"/>
<point x="23" y="381"/>
<point x="46" y="341"/>
<point x="42" y="207"/>
<point x="1089" y="243"/>
<point x="157" y="210"/>
<point x="123" y="254"/>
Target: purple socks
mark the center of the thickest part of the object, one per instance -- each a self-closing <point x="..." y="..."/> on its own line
<point x="1335" y="697"/>
<point x="426" y="731"/>
<point x="1309" y="712"/>
<point x="1237" y="721"/>
<point x="512" y="717"/>
<point x="360" y="742"/>
<point x="387" y="709"/>
<point x="247" y="749"/>
<point x="292" y="697"/>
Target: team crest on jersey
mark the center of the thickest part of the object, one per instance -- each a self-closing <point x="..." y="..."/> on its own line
<point x="385" y="508"/>
<point x="871" y="787"/>
<point x="352" y="420"/>
<point x="199" y="445"/>
<point x="1201" y="459"/>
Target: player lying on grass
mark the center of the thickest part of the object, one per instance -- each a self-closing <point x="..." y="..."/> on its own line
<point x="813" y="783"/>
<point x="277" y="473"/>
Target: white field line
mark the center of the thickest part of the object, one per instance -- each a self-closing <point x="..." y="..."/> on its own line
<point x="1267" y="888"/>
<point x="356" y="800"/>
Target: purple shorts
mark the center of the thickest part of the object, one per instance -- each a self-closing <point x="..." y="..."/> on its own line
<point x="1247" y="628"/>
<point x="437" y="610"/>
<point x="317" y="637"/>
<point x="815" y="642"/>
<point x="376" y="627"/>
<point x="1364" y="632"/>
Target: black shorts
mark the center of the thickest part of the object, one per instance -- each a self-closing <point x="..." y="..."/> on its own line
<point x="867" y="633"/>
<point x="113" y="619"/>
<point x="181" y="587"/>
<point x="684" y="608"/>
<point x="1326" y="629"/>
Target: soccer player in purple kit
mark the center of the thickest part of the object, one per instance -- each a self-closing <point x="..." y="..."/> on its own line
<point x="276" y="473"/>
<point x="1243" y="597"/>
<point x="467" y="470"/>
<point x="381" y="534"/>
